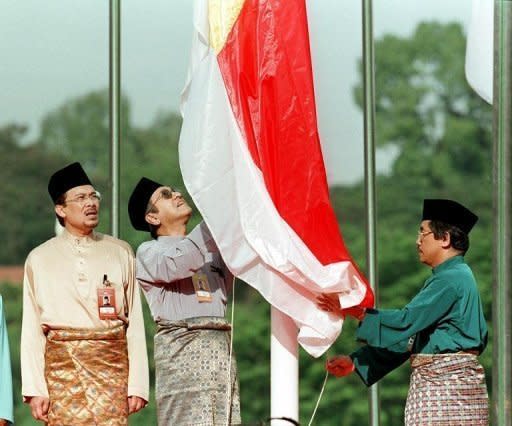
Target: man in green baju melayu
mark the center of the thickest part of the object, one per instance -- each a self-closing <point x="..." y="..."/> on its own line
<point x="441" y="330"/>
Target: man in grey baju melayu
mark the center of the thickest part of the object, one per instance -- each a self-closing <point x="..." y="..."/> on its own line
<point x="186" y="285"/>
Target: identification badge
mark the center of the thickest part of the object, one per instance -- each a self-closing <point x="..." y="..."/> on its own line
<point x="107" y="301"/>
<point x="202" y="287"/>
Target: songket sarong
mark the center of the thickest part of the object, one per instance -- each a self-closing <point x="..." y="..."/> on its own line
<point x="195" y="383"/>
<point x="87" y="376"/>
<point x="447" y="389"/>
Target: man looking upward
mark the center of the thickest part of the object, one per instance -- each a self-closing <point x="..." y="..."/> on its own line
<point x="186" y="284"/>
<point x="82" y="364"/>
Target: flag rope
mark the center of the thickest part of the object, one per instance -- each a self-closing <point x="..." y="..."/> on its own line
<point x="319" y="398"/>
<point x="230" y="398"/>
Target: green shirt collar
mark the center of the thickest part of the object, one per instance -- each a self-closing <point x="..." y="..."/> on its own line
<point x="452" y="261"/>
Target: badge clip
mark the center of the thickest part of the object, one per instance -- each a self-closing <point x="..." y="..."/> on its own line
<point x="202" y="287"/>
<point x="107" y="300"/>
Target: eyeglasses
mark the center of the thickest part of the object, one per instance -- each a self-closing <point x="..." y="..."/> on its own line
<point x="165" y="193"/>
<point x="423" y="234"/>
<point x="82" y="198"/>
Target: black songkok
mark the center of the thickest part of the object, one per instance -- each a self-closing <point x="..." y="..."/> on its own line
<point x="64" y="179"/>
<point x="449" y="212"/>
<point x="138" y="203"/>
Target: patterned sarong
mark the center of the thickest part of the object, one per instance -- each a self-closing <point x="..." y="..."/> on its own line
<point x="194" y="382"/>
<point x="87" y="376"/>
<point x="447" y="389"/>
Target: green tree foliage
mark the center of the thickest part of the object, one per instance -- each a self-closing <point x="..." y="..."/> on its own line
<point x="79" y="130"/>
<point x="27" y="213"/>
<point x="441" y="132"/>
<point x="439" y="125"/>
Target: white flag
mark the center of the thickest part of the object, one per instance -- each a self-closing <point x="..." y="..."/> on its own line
<point x="479" y="49"/>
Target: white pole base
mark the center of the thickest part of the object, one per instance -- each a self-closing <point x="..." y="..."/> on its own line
<point x="284" y="370"/>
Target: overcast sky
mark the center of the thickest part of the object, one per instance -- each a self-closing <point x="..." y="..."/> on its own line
<point x="54" y="50"/>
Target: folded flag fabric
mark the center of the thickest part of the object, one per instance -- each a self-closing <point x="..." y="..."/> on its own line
<point x="251" y="160"/>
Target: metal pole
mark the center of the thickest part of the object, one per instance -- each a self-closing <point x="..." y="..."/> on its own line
<point x="502" y="319"/>
<point x="115" y="113"/>
<point x="369" y="168"/>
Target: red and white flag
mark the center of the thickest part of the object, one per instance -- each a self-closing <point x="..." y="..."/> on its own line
<point x="251" y="160"/>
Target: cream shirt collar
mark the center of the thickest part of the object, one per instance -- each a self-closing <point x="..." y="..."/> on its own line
<point x="77" y="240"/>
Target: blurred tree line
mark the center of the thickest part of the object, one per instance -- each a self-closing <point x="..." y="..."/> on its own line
<point x="425" y="110"/>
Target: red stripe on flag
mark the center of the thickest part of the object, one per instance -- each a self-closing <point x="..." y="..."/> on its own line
<point x="267" y="71"/>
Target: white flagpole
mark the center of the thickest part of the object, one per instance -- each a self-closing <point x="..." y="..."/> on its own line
<point x="284" y="369"/>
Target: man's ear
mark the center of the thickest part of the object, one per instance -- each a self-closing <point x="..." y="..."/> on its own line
<point x="59" y="211"/>
<point x="152" y="219"/>
<point x="446" y="241"/>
